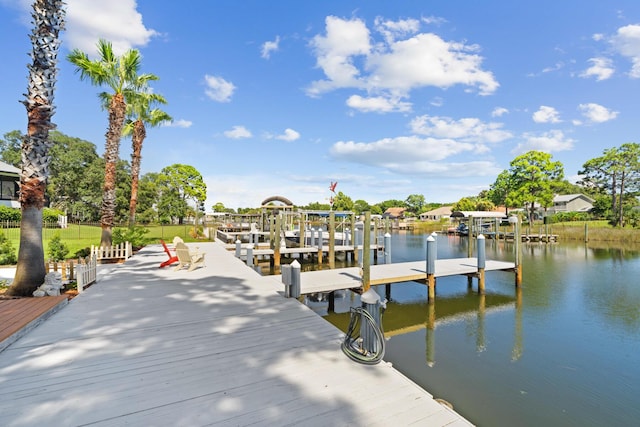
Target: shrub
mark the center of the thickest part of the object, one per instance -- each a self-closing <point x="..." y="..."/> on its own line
<point x="7" y="252"/>
<point x="57" y="249"/>
<point x="135" y="235"/>
<point x="82" y="253"/>
<point x="51" y="215"/>
<point x="10" y="214"/>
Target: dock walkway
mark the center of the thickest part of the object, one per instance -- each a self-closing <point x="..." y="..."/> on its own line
<point x="382" y="274"/>
<point x="217" y="345"/>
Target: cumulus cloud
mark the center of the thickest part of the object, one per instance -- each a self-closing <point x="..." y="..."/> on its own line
<point x="377" y="104"/>
<point x="546" y="114"/>
<point x="238" y="132"/>
<point x="627" y="43"/>
<point x="412" y="154"/>
<point x="289" y="135"/>
<point x="181" y="123"/>
<point x="270" y="46"/>
<point x="116" y="21"/>
<point x="601" y="69"/>
<point x="391" y="30"/>
<point x="403" y="60"/>
<point x="551" y="141"/>
<point x="499" y="112"/>
<point x="465" y="129"/>
<point x="596" y="113"/>
<point x="218" y="88"/>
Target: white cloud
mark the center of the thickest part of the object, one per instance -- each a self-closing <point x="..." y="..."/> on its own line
<point x="546" y="114"/>
<point x="627" y="43"/>
<point x="218" y="88"/>
<point x="238" y="132"/>
<point x="116" y="21"/>
<point x="378" y="104"/>
<point x="413" y="154"/>
<point x="181" y="123"/>
<point x="465" y="129"/>
<point x="394" y="29"/>
<point x="268" y="47"/>
<point x="499" y="112"/>
<point x="351" y="59"/>
<point x="601" y="69"/>
<point x="596" y="113"/>
<point x="549" y="142"/>
<point x="289" y="135"/>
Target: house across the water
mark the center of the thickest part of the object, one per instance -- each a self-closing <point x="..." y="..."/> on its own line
<point x="9" y="185"/>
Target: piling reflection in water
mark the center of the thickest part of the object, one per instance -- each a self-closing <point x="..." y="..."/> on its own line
<point x="403" y="318"/>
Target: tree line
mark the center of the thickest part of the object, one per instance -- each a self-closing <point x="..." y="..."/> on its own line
<point x="74" y="185"/>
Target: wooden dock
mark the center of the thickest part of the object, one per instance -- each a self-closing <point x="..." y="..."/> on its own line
<point x="218" y="345"/>
<point x="382" y="274"/>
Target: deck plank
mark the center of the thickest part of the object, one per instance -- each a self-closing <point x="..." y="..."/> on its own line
<point x="149" y="346"/>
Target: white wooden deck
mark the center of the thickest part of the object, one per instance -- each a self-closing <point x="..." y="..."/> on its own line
<point x="216" y="346"/>
<point x="381" y="274"/>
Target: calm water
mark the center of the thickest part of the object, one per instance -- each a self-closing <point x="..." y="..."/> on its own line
<point x="562" y="351"/>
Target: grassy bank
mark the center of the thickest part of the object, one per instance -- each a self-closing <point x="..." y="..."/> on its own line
<point x="593" y="231"/>
<point x="78" y="237"/>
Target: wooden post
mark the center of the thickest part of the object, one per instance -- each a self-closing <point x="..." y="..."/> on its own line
<point x="332" y="239"/>
<point x="366" y="252"/>
<point x="431" y="268"/>
<point x="250" y="255"/>
<point x="356" y="253"/>
<point x="276" y="249"/>
<point x="302" y="230"/>
<point x="517" y="241"/>
<point x="586" y="232"/>
<point x="481" y="263"/>
<point x="320" y="245"/>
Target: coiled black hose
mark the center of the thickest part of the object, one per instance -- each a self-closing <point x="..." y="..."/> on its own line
<point x="352" y="344"/>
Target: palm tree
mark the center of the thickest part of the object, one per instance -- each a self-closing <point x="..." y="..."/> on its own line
<point x="120" y="74"/>
<point x="139" y="113"/>
<point x="48" y="20"/>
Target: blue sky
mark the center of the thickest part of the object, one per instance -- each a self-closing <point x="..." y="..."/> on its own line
<point x="387" y="98"/>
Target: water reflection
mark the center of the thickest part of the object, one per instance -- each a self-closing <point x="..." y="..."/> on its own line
<point x="404" y="318"/>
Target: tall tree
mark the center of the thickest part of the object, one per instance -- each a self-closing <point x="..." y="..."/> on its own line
<point x="415" y="203"/>
<point x="179" y="183"/>
<point x="531" y="178"/>
<point x="119" y="74"/>
<point x="140" y="113"/>
<point x="48" y="21"/>
<point x="11" y="148"/>
<point x="499" y="190"/>
<point x="616" y="172"/>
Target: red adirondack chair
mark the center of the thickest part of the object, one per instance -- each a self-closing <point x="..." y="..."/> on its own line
<point x="172" y="257"/>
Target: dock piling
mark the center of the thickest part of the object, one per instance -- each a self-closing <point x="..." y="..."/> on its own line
<point x="387" y="248"/>
<point x="371" y="304"/>
<point x="431" y="267"/>
<point x="250" y="255"/>
<point x="238" y="248"/>
<point x="481" y="242"/>
<point x="295" y="279"/>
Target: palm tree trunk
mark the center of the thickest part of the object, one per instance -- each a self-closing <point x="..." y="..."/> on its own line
<point x="48" y="20"/>
<point x="139" y="134"/>
<point x="117" y="110"/>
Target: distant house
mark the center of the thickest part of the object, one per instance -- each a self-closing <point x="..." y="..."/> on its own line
<point x="394" y="213"/>
<point x="436" y="214"/>
<point x="9" y="185"/>
<point x="572" y="203"/>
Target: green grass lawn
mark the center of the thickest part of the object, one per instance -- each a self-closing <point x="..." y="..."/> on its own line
<point x="78" y="237"/>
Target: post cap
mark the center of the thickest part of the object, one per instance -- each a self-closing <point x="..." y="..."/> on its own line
<point x="480" y="236"/>
<point x="513" y="219"/>
<point x="370" y="297"/>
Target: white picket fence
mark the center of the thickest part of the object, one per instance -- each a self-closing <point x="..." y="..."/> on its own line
<point x="119" y="251"/>
<point x="86" y="273"/>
